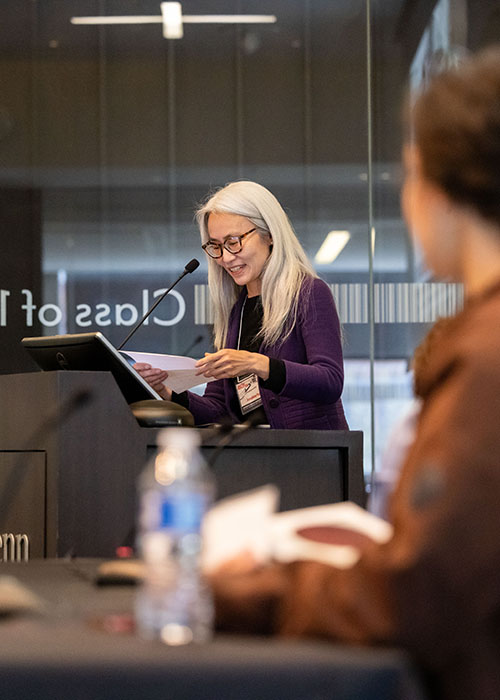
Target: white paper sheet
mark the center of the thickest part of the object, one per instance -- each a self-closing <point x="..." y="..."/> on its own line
<point x="288" y="545"/>
<point x="248" y="522"/>
<point x="239" y="524"/>
<point x="181" y="370"/>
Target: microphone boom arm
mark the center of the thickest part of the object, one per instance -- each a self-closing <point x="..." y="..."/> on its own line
<point x="190" y="267"/>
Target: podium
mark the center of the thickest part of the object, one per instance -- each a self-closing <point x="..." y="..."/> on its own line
<point x="68" y="482"/>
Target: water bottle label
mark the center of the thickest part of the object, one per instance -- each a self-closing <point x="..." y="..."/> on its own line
<point x="184" y="513"/>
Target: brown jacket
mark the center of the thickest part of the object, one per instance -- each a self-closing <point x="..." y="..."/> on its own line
<point x="435" y="587"/>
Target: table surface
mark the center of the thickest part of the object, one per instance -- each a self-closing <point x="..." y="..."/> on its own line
<point x="81" y="646"/>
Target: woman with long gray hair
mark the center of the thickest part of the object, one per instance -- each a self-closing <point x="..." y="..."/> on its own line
<point x="278" y="354"/>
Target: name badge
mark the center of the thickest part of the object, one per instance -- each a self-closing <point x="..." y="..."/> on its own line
<point x="247" y="388"/>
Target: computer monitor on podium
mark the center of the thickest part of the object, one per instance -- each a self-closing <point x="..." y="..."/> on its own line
<point x="89" y="352"/>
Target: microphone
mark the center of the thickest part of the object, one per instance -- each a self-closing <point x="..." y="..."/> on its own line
<point x="190" y="267"/>
<point x="195" y="342"/>
<point x="72" y="404"/>
<point x="229" y="434"/>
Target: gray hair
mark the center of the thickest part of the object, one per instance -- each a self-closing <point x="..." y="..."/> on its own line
<point x="284" y="272"/>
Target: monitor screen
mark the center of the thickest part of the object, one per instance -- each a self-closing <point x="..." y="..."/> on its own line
<point x="89" y="352"/>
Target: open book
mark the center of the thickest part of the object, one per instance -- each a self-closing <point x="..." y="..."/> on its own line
<point x="181" y="370"/>
<point x="334" y="534"/>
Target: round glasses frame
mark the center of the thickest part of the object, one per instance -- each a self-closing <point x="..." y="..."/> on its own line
<point x="233" y="244"/>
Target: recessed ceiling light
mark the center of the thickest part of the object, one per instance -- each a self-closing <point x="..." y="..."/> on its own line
<point x="331" y="247"/>
<point x="173" y="20"/>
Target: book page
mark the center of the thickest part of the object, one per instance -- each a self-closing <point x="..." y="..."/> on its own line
<point x="333" y="534"/>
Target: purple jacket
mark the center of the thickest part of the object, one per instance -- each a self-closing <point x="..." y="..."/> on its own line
<point x="312" y="354"/>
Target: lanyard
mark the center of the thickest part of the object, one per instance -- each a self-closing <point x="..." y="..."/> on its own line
<point x="247" y="385"/>
<point x="241" y="322"/>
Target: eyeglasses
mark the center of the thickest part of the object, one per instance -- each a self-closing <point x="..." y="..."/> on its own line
<point x="233" y="244"/>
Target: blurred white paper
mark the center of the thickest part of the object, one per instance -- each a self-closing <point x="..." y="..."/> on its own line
<point x="15" y="597"/>
<point x="181" y="370"/>
<point x="289" y="545"/>
<point x="237" y="524"/>
<point x="248" y="522"/>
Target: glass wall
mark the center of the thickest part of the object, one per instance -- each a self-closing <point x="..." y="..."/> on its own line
<point x="111" y="134"/>
<point x="408" y="40"/>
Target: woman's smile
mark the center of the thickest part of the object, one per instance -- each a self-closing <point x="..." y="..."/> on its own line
<point x="246" y="266"/>
<point x="234" y="269"/>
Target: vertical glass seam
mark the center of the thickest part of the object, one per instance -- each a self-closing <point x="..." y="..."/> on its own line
<point x="240" y="119"/>
<point x="172" y="141"/>
<point x="371" y="237"/>
<point x="308" y="130"/>
<point x="104" y="208"/>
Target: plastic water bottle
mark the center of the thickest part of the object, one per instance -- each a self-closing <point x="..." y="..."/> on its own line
<point x="173" y="604"/>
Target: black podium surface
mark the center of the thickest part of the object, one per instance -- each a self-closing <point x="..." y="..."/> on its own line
<point x="68" y="468"/>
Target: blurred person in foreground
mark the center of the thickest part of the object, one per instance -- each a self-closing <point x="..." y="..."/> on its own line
<point x="278" y="358"/>
<point x="434" y="588"/>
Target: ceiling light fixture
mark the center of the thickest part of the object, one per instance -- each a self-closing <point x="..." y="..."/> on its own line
<point x="331" y="247"/>
<point x="173" y="20"/>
